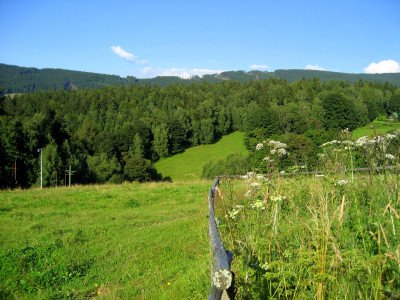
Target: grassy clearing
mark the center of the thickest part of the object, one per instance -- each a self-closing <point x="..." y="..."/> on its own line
<point x="313" y="237"/>
<point x="379" y="128"/>
<point x="189" y="164"/>
<point x="143" y="241"/>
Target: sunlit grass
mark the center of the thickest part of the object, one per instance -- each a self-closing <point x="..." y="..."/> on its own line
<point x="189" y="164"/>
<point x="378" y="128"/>
<point x="146" y="241"/>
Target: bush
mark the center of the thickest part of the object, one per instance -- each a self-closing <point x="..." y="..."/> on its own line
<point x="139" y="169"/>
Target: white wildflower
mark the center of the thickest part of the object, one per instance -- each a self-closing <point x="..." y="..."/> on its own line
<point x="362" y="141"/>
<point x="282" y="151"/>
<point x="273" y="151"/>
<point x="390" y="136"/>
<point x="271" y="143"/>
<point x="277" y="198"/>
<point x="259" y="146"/>
<point x="319" y="175"/>
<point x="249" y="175"/>
<point x="260" y="177"/>
<point x="347" y="142"/>
<point x="259" y="204"/>
<point x="390" y="156"/>
<point x="280" y="145"/>
<point x="342" y="182"/>
<point x="255" y="184"/>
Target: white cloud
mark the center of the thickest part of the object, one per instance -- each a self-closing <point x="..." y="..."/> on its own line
<point x="122" y="53"/>
<point x="384" y="66"/>
<point x="259" y="67"/>
<point x="127" y="56"/>
<point x="184" y="73"/>
<point x="316" y="67"/>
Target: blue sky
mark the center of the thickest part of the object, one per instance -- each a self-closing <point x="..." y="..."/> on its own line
<point x="149" y="38"/>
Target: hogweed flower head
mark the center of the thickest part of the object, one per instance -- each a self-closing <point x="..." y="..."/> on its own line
<point x="390" y="156"/>
<point x="342" y="182"/>
<point x="277" y="198"/>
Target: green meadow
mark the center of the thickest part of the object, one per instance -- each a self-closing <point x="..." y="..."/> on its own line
<point x="332" y="236"/>
<point x="189" y="164"/>
<point x="140" y="241"/>
<point x="378" y="128"/>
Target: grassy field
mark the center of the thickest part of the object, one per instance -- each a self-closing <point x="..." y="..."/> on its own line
<point x="189" y="164"/>
<point x="129" y="241"/>
<point x="379" y="128"/>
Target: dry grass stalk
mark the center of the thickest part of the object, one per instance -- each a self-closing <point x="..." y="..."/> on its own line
<point x="391" y="255"/>
<point x="342" y="209"/>
<point x="337" y="252"/>
<point x="384" y="236"/>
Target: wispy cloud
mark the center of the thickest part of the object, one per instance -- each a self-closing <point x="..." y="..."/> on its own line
<point x="314" y="67"/>
<point x="258" y="67"/>
<point x="127" y="56"/>
<point x="184" y="73"/>
<point x="384" y="66"/>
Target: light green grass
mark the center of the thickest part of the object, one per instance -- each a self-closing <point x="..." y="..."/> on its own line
<point x="189" y="164"/>
<point x="380" y="127"/>
<point x="129" y="241"/>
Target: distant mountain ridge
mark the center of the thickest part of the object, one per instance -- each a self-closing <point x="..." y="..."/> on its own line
<point x="15" y="79"/>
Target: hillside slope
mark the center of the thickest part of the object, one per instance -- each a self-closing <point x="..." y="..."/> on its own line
<point x="189" y="164"/>
<point x="15" y="79"/>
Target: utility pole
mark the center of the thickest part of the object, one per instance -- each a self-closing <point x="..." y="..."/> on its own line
<point x="41" y="167"/>
<point x="70" y="173"/>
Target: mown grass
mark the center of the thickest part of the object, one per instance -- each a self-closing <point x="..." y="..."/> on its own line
<point x="378" y="128"/>
<point x="313" y="238"/>
<point x="189" y="164"/>
<point x="129" y="241"/>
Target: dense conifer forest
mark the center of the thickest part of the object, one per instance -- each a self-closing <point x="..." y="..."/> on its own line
<point x="115" y="133"/>
<point x="14" y="79"/>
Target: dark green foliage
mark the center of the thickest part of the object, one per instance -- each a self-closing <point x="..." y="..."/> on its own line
<point x="27" y="80"/>
<point x="303" y="151"/>
<point x="320" y="136"/>
<point x="92" y="130"/>
<point x="393" y="105"/>
<point x="340" y="112"/>
<point x="139" y="169"/>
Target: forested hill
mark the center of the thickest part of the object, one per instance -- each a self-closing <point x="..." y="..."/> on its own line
<point x="112" y="134"/>
<point x="14" y="79"/>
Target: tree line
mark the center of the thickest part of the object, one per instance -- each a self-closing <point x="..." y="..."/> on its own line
<point x="16" y="79"/>
<point x="112" y="134"/>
